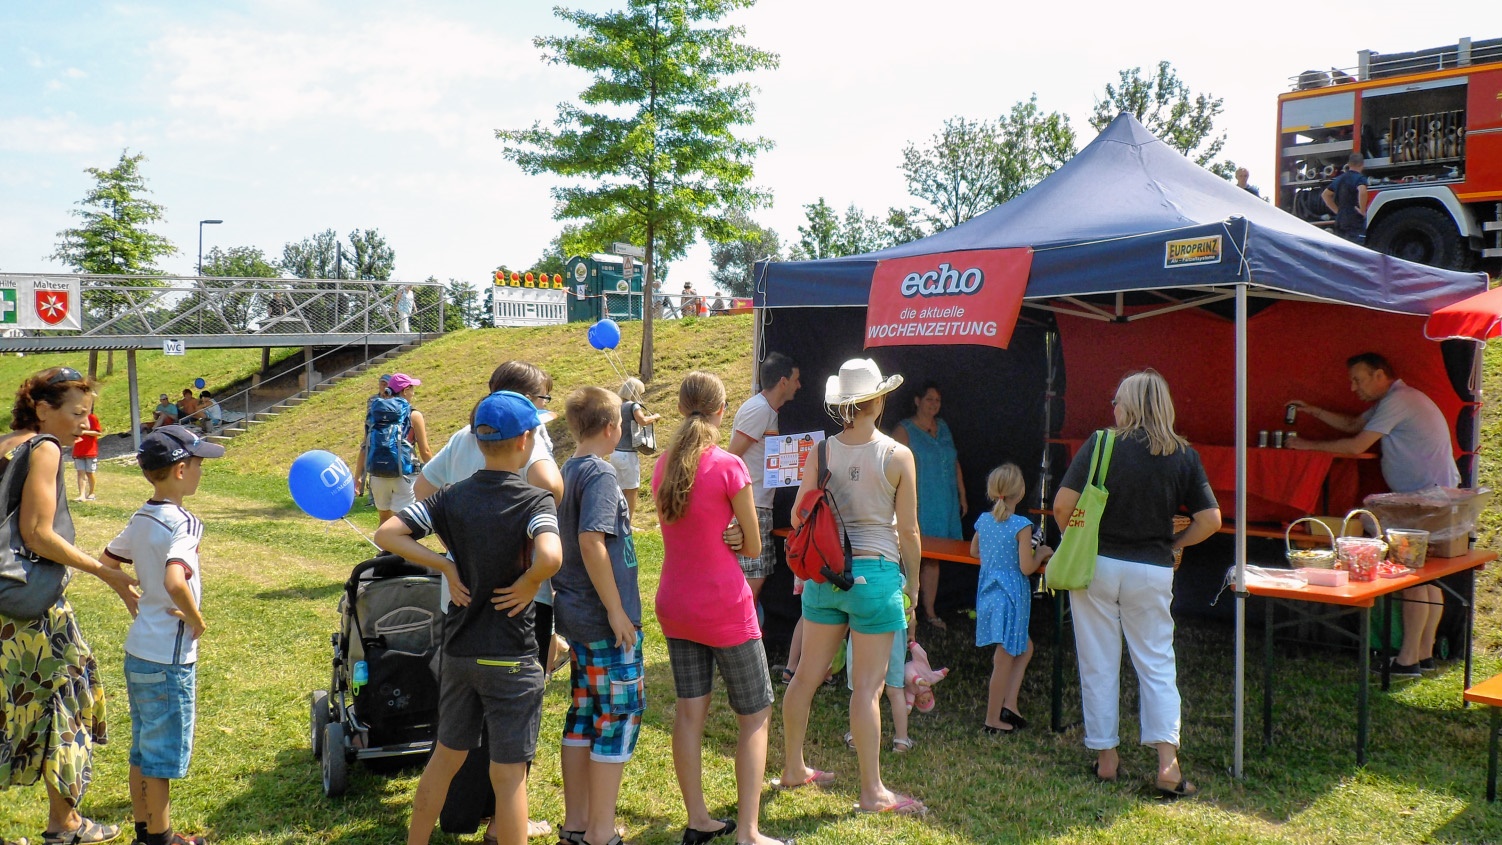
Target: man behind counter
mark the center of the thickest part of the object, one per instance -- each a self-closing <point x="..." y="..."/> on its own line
<point x="1416" y="454"/>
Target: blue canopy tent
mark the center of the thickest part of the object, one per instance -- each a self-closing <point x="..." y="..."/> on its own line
<point x="1099" y="229"/>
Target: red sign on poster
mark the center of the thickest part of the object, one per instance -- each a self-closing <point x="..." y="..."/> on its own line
<point x="948" y="299"/>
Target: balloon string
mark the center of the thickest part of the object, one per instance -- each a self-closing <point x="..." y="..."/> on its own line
<point x="614" y="359"/>
<point x="358" y="531"/>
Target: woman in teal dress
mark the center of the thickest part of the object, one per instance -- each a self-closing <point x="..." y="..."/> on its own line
<point x="941" y="486"/>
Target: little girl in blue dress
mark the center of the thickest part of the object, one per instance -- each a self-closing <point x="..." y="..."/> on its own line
<point x="1003" y="601"/>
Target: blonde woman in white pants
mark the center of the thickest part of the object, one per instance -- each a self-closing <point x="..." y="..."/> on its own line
<point x="1152" y="475"/>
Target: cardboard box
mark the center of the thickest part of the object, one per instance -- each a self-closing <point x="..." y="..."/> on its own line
<point x="1450" y="548"/>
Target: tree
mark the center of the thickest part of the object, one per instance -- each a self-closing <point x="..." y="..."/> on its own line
<point x="1165" y="105"/>
<point x="1031" y="146"/>
<point x="323" y="256"/>
<point x="957" y="174"/>
<point x="829" y="236"/>
<point x="463" y="303"/>
<point x="113" y="238"/>
<point x="652" y="140"/>
<point x="735" y="259"/>
<point x="233" y="306"/>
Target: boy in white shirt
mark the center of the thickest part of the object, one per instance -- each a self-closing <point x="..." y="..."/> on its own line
<point x="161" y="650"/>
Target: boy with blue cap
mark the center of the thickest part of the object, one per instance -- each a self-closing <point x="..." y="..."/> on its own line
<point x="489" y="522"/>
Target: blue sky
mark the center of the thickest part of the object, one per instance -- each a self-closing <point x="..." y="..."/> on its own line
<point x="287" y="117"/>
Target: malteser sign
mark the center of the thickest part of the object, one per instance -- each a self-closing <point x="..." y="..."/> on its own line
<point x="948" y="299"/>
<point x="29" y="302"/>
<point x="1191" y="251"/>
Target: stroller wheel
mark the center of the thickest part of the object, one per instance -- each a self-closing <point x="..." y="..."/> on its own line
<point x="318" y="719"/>
<point x="335" y="763"/>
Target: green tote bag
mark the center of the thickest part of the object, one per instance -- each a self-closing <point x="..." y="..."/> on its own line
<point x="1073" y="565"/>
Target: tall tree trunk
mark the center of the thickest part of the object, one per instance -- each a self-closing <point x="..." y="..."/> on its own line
<point x="647" y="307"/>
<point x="109" y="363"/>
<point x="93" y="365"/>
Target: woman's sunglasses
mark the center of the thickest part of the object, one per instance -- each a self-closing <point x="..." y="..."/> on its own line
<point x="65" y="374"/>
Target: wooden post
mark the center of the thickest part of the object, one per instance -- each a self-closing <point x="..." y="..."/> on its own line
<point x="265" y="358"/>
<point x="135" y="398"/>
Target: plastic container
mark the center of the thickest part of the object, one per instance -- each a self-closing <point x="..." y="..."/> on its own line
<point x="1360" y="555"/>
<point x="1407" y="546"/>
<point x="1308" y="558"/>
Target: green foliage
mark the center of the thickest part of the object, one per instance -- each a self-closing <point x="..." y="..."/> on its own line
<point x="232" y="308"/>
<point x="1166" y="106"/>
<point x="650" y="149"/>
<point x="957" y="173"/>
<point x="827" y="235"/>
<point x="113" y="238"/>
<point x="735" y="259"/>
<point x="972" y="165"/>
<point x="323" y="256"/>
<point x="464" y="306"/>
<point x="426" y="299"/>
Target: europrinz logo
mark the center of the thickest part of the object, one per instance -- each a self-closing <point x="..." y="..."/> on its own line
<point x="1191" y="251"/>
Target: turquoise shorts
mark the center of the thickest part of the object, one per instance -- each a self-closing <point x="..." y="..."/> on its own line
<point x="873" y="607"/>
<point x="896" y="662"/>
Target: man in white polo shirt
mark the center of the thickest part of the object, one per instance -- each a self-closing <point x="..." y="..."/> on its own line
<point x="1416" y="453"/>
<point x="755" y="421"/>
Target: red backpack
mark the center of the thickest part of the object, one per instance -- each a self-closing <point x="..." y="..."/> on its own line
<point x="818" y="550"/>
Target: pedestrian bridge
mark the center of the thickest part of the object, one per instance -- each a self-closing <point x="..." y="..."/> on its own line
<point x="201" y="312"/>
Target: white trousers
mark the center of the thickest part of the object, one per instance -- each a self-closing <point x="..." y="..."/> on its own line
<point x="1130" y="599"/>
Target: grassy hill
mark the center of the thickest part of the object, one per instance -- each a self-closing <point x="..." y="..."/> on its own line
<point x="455" y="369"/>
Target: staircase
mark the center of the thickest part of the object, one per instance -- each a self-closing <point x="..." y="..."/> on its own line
<point x="232" y="430"/>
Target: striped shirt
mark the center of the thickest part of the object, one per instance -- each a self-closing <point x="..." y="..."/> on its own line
<point x="487" y="522"/>
<point x="160" y="535"/>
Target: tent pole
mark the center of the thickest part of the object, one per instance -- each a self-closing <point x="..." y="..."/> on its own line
<point x="1240" y="543"/>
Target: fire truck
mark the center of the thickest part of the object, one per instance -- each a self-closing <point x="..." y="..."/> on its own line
<point x="1429" y="125"/>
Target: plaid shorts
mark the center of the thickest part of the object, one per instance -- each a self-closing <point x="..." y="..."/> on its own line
<point x="761" y="567"/>
<point x="608" y="696"/>
<point x="748" y="682"/>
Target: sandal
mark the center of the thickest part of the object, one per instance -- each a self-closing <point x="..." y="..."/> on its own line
<point x="691" y="836"/>
<point x="816" y="777"/>
<point x="782" y="674"/>
<point x="902" y="745"/>
<point x="903" y="806"/>
<point x="614" y="840"/>
<point x="565" y="837"/>
<point x="937" y="623"/>
<point x="179" y="839"/>
<point x="1183" y="789"/>
<point x="88" y="831"/>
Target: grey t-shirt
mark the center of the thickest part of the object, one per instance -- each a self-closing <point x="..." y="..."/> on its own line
<point x="1415" y="440"/>
<point x="592" y="501"/>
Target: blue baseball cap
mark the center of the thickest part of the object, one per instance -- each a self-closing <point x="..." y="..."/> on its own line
<point x="509" y="414"/>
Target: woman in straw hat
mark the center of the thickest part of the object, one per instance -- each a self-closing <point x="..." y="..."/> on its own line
<point x="1153" y="473"/>
<point x="874" y="482"/>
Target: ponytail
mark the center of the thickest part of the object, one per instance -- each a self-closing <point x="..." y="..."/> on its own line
<point x="700" y="397"/>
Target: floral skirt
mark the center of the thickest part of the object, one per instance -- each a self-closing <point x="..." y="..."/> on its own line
<point x="53" y="699"/>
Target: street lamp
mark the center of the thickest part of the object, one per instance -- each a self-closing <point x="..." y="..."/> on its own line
<point x="201" y="224"/>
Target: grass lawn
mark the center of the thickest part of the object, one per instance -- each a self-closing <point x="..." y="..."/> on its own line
<point x="272" y="581"/>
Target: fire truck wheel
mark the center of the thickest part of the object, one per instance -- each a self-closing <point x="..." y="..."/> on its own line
<point x="1425" y="235"/>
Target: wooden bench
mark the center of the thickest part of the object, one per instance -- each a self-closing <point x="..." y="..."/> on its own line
<point x="1489" y="692"/>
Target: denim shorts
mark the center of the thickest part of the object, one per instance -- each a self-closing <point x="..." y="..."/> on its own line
<point x="607" y="698"/>
<point x="872" y="607"/>
<point x="162" y="698"/>
<point x="896" y="661"/>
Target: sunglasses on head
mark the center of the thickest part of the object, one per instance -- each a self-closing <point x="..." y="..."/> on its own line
<point x="65" y="374"/>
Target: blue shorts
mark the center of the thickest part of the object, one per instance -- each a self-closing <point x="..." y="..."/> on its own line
<point x="162" y="698"/>
<point x="873" y="607"/>
<point x="607" y="698"/>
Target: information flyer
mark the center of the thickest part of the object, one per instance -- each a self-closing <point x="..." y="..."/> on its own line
<point x="786" y="455"/>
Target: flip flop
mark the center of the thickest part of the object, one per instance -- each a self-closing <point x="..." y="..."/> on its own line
<point x="817" y="777"/>
<point x="904" y="806"/>
<point x="1183" y="789"/>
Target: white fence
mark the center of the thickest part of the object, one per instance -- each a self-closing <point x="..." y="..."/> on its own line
<point x="528" y="306"/>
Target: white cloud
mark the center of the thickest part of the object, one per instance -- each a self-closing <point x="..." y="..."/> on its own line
<point x="385" y="74"/>
<point x="48" y="135"/>
<point x="75" y="73"/>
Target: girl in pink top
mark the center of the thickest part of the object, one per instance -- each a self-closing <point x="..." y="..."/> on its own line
<point x="704" y="605"/>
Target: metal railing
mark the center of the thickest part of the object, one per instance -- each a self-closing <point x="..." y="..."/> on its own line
<point x="189" y="306"/>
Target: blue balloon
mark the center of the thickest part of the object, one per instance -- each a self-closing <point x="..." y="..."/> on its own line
<point x="322" y="485"/>
<point x="604" y="335"/>
<point x="200" y="383"/>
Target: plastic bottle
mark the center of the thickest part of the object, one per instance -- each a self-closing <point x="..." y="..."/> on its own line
<point x="361" y="675"/>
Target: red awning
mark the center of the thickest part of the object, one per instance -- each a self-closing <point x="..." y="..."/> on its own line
<point x="1475" y="318"/>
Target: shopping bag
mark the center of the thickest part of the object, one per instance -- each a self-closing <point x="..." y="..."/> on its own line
<point x="1073" y="566"/>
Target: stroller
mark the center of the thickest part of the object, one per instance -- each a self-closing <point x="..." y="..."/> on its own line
<point x="382" y="700"/>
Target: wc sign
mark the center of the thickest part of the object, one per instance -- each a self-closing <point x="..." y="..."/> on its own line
<point x="948" y="299"/>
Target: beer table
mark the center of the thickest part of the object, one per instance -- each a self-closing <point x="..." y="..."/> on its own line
<point x="1360" y="598"/>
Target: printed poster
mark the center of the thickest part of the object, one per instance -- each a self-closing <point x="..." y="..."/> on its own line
<point x="28" y="302"/>
<point x="786" y="456"/>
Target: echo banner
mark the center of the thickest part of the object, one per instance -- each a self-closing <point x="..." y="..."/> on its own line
<point x="948" y="299"/>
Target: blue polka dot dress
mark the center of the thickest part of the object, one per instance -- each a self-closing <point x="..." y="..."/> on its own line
<point x="1003" y="602"/>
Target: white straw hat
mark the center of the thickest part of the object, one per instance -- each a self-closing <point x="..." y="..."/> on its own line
<point x="859" y="380"/>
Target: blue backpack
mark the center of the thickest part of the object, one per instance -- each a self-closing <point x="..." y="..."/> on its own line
<point x="387" y="423"/>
